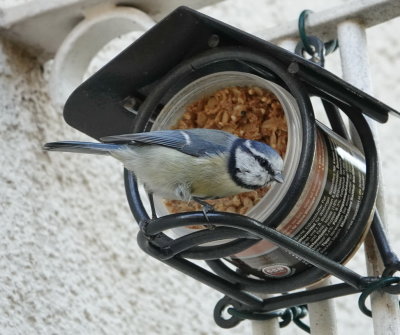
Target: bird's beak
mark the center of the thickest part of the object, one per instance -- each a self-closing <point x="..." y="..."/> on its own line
<point x="278" y="178"/>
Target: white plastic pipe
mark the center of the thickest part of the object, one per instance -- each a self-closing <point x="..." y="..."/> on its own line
<point x="268" y="327"/>
<point x="322" y="314"/>
<point x="85" y="41"/>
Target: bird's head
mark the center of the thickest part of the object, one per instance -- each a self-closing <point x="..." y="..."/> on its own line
<point x="254" y="164"/>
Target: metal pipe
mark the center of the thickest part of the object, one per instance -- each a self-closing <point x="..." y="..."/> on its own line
<point x="260" y="230"/>
<point x="323" y="24"/>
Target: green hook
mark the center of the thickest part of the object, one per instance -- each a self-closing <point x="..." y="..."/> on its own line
<point x="383" y="282"/>
<point x="330" y="46"/>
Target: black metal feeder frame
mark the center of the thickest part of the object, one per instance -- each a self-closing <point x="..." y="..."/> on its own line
<point x="183" y="47"/>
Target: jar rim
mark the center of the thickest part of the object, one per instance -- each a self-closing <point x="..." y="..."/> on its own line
<point x="172" y="112"/>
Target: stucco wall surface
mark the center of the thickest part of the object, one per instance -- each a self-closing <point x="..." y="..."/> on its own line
<point x="69" y="262"/>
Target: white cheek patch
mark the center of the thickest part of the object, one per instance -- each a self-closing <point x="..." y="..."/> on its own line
<point x="252" y="173"/>
<point x="245" y="161"/>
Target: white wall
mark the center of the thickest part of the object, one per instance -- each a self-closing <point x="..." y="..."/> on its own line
<point x="68" y="257"/>
<point x="69" y="263"/>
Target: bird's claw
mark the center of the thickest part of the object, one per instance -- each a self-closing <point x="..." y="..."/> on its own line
<point x="206" y="209"/>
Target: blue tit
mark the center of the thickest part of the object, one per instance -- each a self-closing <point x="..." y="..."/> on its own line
<point x="192" y="164"/>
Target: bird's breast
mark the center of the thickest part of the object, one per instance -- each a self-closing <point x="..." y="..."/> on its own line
<point x="212" y="179"/>
<point x="162" y="169"/>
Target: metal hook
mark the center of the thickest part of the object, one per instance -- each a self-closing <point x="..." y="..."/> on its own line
<point x="379" y="284"/>
<point x="317" y="48"/>
<point x="220" y="307"/>
<point x="329" y="47"/>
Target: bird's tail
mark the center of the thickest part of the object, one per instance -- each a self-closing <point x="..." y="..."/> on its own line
<point x="82" y="147"/>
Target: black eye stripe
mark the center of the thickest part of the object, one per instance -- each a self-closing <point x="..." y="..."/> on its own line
<point x="264" y="163"/>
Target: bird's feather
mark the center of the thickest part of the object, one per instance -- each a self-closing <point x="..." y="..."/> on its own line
<point x="194" y="142"/>
<point x="81" y="147"/>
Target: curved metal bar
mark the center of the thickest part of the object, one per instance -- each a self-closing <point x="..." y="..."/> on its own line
<point x="186" y="245"/>
<point x="364" y="215"/>
<point x="225" y="250"/>
<point x="134" y="199"/>
<point x="243" y="240"/>
<point x="202" y="275"/>
<point x="262" y="231"/>
<point x="256" y="285"/>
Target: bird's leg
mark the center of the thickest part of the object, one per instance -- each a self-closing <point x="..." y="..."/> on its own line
<point x="153" y="208"/>
<point x="206" y="207"/>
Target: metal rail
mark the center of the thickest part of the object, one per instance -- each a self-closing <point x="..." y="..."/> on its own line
<point x="348" y="24"/>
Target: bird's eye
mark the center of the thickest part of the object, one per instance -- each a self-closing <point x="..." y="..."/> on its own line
<point x="265" y="163"/>
<point x="237" y="170"/>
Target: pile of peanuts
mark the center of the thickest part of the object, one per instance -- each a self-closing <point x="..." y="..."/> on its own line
<point x="248" y="112"/>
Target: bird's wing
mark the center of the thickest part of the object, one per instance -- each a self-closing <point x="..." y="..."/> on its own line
<point x="195" y="142"/>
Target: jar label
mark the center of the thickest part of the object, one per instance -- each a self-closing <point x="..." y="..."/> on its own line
<point x="325" y="210"/>
<point x="277" y="271"/>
